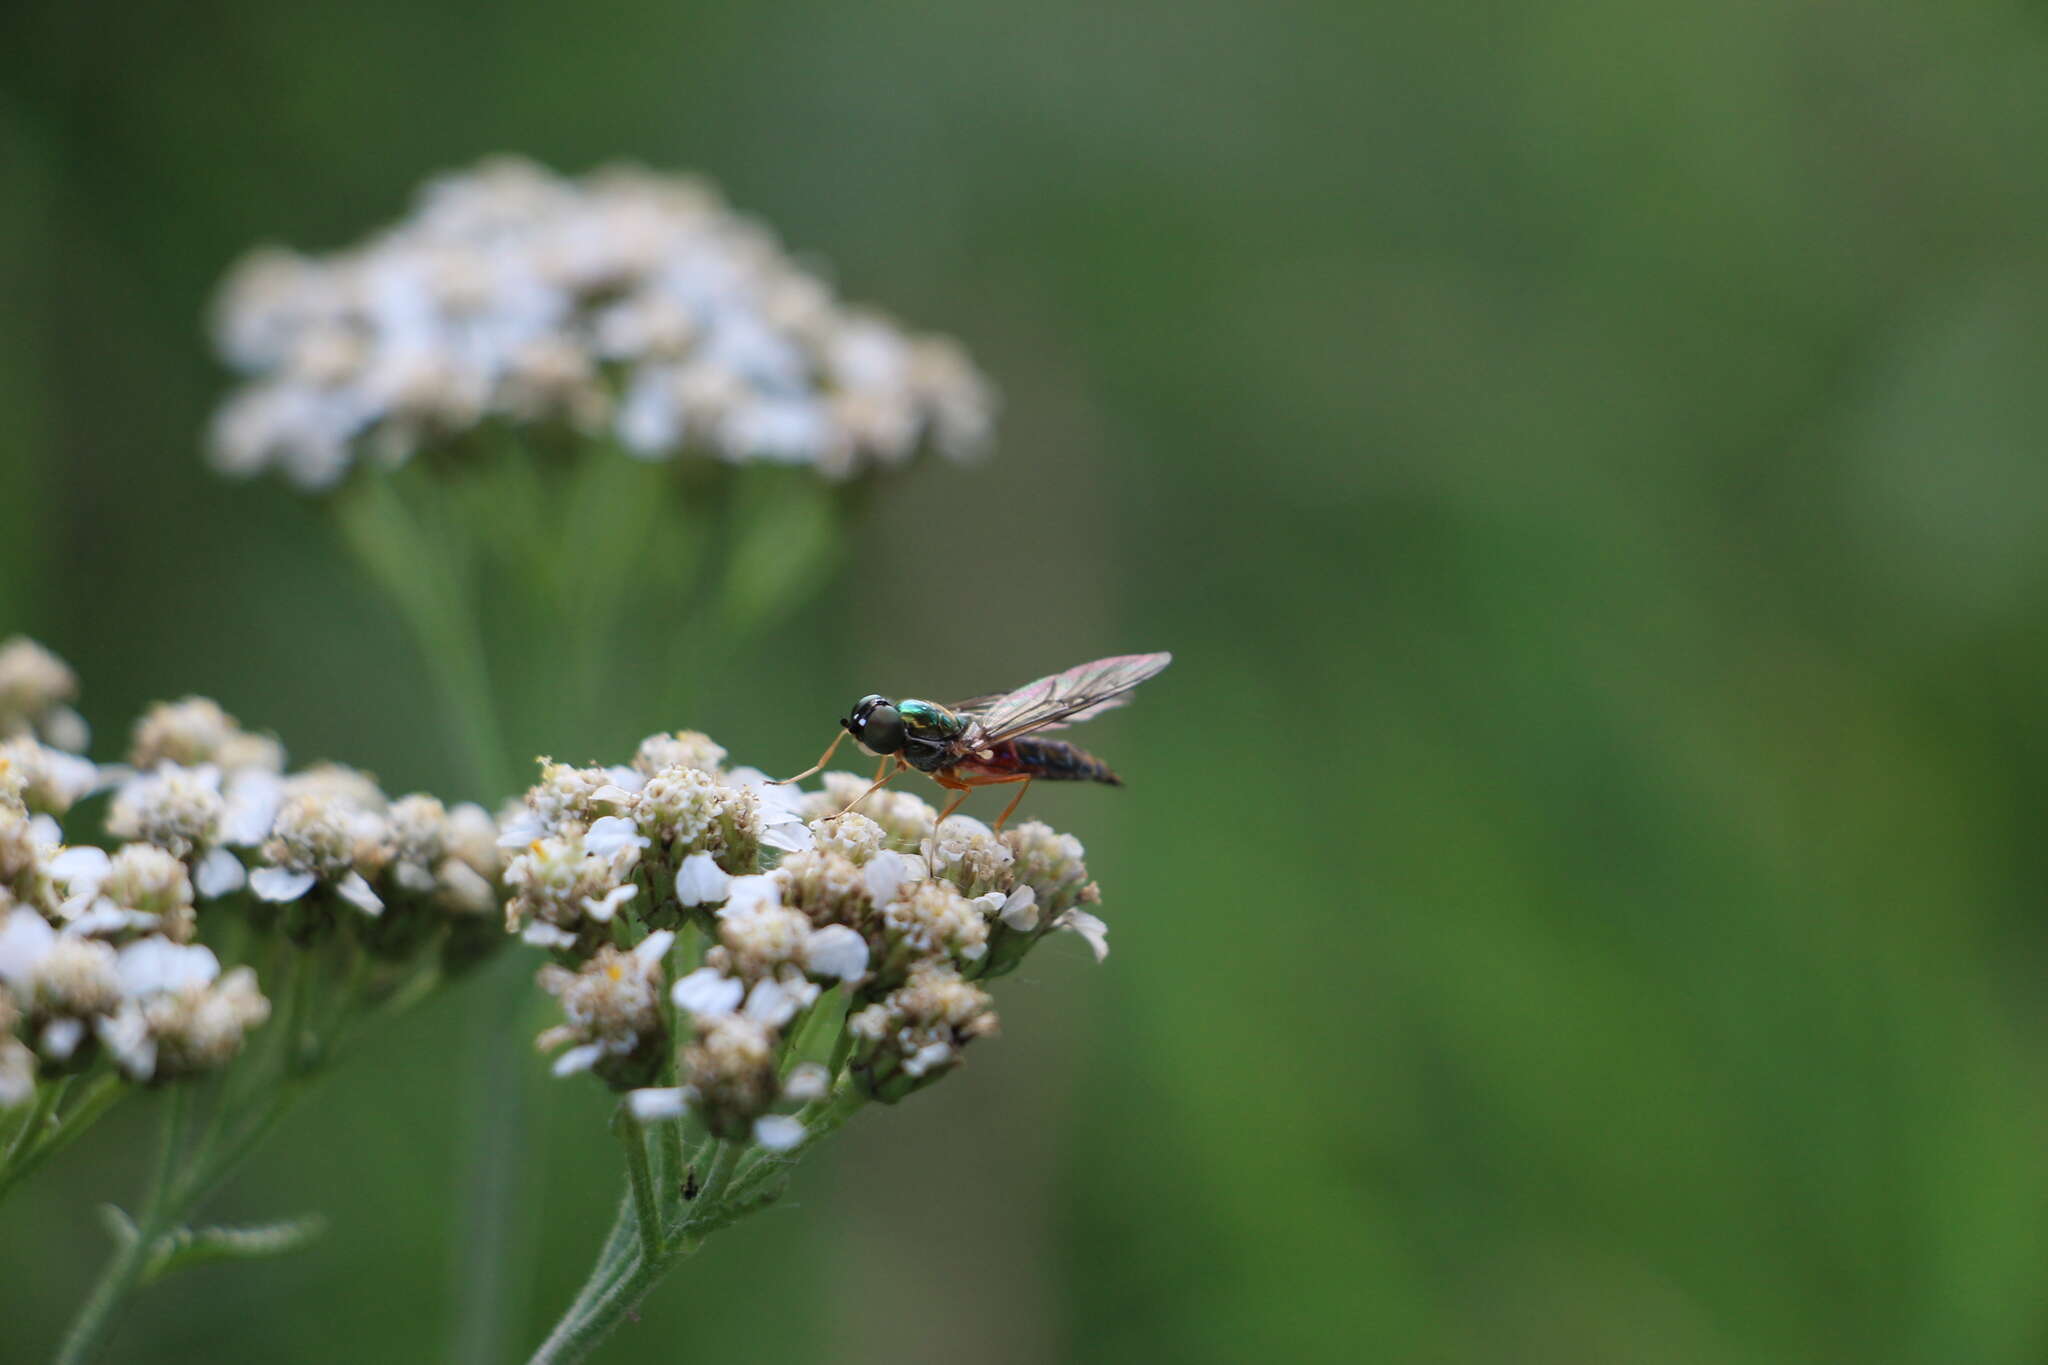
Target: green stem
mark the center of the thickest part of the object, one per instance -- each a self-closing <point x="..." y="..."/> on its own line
<point x="431" y="584"/>
<point x="47" y="1099"/>
<point x="646" y="1209"/>
<point x="431" y="580"/>
<point x="577" y="1334"/>
<point x="56" y="1135"/>
<point x="126" y="1266"/>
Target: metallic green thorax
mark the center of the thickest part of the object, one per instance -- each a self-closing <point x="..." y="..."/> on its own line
<point x="928" y="733"/>
<point x="929" y="720"/>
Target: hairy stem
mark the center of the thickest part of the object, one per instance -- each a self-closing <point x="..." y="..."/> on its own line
<point x="646" y="1209"/>
<point x="125" y="1267"/>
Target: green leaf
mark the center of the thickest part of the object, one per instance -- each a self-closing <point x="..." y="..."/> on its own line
<point x="819" y="1031"/>
<point x="183" y="1248"/>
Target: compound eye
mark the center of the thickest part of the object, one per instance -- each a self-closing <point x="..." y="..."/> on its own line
<point x="881" y="729"/>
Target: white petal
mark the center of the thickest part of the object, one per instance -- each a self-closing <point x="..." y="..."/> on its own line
<point x="885" y="875"/>
<point x="126" y="1035"/>
<point x="748" y="894"/>
<point x="74" y="778"/>
<point x="964" y="827"/>
<point x="701" y="881"/>
<point x="61" y="1038"/>
<point x="778" y="1132"/>
<point x="105" y="917"/>
<point x="17" y="1074"/>
<point x="1020" y="909"/>
<point x="772" y="1003"/>
<point x="45" y="833"/>
<point x="541" y="934"/>
<point x="602" y="909"/>
<point x="25" y="937"/>
<point x="807" y="1081"/>
<point x="250" y="807"/>
<point x="656" y="1106"/>
<point x="414" y="878"/>
<point x="150" y="965"/>
<point x="359" y="893"/>
<point x="219" y="873"/>
<point x="1088" y="927"/>
<point x="522" y="829"/>
<point x="610" y="835"/>
<point x="790" y="836"/>
<point x="280" y="884"/>
<point x="80" y="868"/>
<point x="66" y="729"/>
<point x="779" y="802"/>
<point x="836" y="950"/>
<point x="652" y="949"/>
<point x="927" y="1057"/>
<point x="708" y="991"/>
<point x="578" y="1059"/>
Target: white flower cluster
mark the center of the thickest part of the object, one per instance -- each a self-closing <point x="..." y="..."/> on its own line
<point x="623" y="302"/>
<point x="587" y="841"/>
<point x="904" y="916"/>
<point x="97" y="948"/>
<point x="215" y="795"/>
<point x="160" y="1009"/>
<point x="36" y="692"/>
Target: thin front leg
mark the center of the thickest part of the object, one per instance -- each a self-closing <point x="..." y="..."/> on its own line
<point x="823" y="759"/>
<point x="878" y="784"/>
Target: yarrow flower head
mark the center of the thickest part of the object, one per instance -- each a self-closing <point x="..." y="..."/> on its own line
<point x="36" y="692"/>
<point x="625" y="303"/>
<point x="99" y="950"/>
<point x="782" y="921"/>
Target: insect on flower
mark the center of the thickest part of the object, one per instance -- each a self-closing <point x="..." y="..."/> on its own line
<point x="991" y="740"/>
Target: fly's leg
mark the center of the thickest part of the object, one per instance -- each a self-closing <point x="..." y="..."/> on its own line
<point x="955" y="785"/>
<point x="823" y="759"/>
<point x="878" y="783"/>
<point x="1015" y="801"/>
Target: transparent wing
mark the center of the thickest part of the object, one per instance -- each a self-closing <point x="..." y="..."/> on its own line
<point x="1081" y="693"/>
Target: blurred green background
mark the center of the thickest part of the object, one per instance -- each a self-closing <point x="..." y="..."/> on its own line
<point x="1579" y="895"/>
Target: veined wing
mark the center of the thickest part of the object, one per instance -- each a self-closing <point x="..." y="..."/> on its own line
<point x="1081" y="693"/>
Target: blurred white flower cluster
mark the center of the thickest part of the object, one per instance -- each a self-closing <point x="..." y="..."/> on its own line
<point x="623" y="302"/>
<point x="705" y="919"/>
<point x="99" y="950"/>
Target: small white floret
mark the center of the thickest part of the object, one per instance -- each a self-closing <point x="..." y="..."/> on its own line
<point x="658" y="1106"/>
<point x="701" y="881"/>
<point x="219" y="873"/>
<point x="360" y="894"/>
<point x="807" y="1081"/>
<point x="602" y="908"/>
<point x="578" y="1059"/>
<point x="778" y="1132"/>
<point x="836" y="950"/>
<point x="280" y="884"/>
<point x="708" y="991"/>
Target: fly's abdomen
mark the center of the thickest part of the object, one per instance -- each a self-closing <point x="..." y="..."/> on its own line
<point x="1053" y="760"/>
